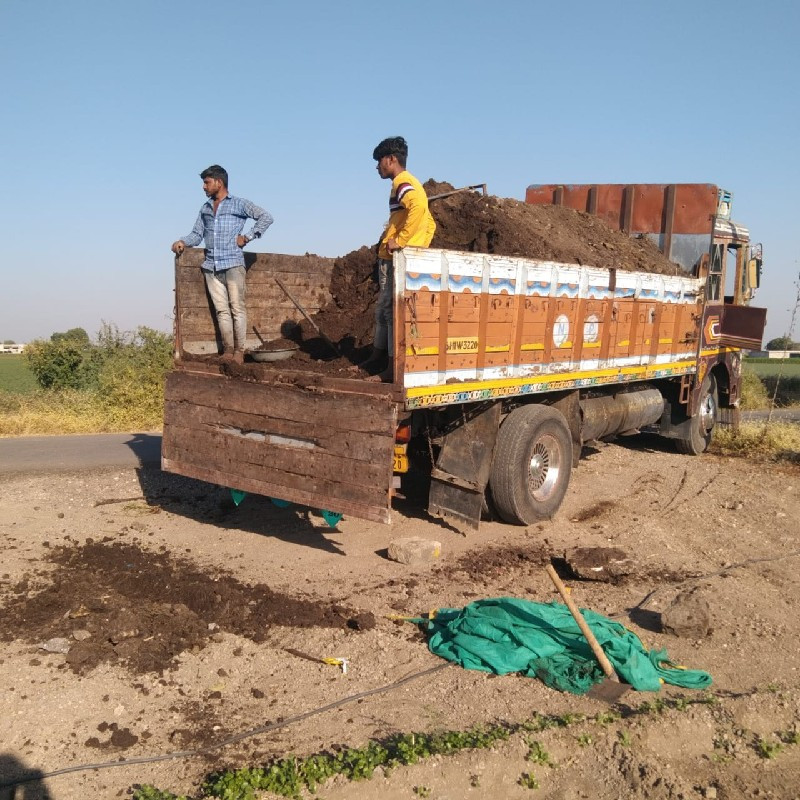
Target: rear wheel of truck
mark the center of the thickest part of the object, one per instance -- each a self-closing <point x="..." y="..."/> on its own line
<point x="531" y="464"/>
<point x="701" y="426"/>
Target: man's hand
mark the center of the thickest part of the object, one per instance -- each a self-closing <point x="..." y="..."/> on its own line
<point x="391" y="245"/>
<point x="241" y="241"/>
<point x="178" y="247"/>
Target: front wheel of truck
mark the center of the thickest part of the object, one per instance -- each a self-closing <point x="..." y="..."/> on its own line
<point x="701" y="425"/>
<point x="531" y="464"/>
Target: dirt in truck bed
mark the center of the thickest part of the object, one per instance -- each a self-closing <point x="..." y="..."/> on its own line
<point x="475" y="223"/>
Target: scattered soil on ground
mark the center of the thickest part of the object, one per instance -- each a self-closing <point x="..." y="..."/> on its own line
<point x="143" y="609"/>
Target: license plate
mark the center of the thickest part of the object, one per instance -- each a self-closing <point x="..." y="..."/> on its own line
<point x="400" y="460"/>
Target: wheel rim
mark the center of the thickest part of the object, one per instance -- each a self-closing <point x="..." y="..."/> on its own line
<point x="708" y="413"/>
<point x="544" y="468"/>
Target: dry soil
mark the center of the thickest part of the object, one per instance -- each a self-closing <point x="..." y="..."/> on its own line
<point x="190" y="620"/>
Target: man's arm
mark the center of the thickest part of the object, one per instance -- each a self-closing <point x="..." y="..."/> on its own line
<point x="416" y="207"/>
<point x="263" y="219"/>
<point x="194" y="238"/>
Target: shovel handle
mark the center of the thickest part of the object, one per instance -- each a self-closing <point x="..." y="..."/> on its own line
<point x="585" y="629"/>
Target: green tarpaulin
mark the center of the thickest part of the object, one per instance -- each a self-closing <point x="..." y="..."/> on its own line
<point x="542" y="640"/>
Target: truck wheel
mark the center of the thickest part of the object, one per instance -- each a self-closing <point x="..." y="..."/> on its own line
<point x="701" y="425"/>
<point x="531" y="465"/>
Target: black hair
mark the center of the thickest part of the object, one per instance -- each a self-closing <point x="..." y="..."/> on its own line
<point x="215" y="171"/>
<point x="393" y="146"/>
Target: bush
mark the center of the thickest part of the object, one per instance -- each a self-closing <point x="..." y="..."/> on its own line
<point x="115" y="384"/>
<point x="778" y="441"/>
<point x="754" y="393"/>
<point x="63" y="363"/>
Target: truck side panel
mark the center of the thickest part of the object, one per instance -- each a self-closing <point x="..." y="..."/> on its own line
<point x="478" y="326"/>
<point x="307" y="277"/>
<point x="321" y="447"/>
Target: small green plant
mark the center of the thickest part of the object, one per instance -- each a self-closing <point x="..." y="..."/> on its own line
<point x="790" y="737"/>
<point x="767" y="749"/>
<point x="147" y="792"/>
<point x="585" y="739"/>
<point x="422" y="791"/>
<point x="528" y="781"/>
<point x="624" y="738"/>
<point x="537" y="754"/>
<point x="606" y="717"/>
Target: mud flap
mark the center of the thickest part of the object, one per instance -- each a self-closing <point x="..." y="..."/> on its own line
<point x="459" y="479"/>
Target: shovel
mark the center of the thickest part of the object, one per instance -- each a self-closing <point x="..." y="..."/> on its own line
<point x="610" y="689"/>
<point x="305" y="314"/>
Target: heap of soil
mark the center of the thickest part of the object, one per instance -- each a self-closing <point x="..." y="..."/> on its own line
<point x="474" y="223"/>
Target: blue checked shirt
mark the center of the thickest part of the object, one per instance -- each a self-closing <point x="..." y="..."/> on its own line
<point x="221" y="229"/>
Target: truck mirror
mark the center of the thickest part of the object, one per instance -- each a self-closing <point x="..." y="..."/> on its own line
<point x="754" y="273"/>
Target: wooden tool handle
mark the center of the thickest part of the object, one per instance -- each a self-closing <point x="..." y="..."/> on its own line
<point x="585" y="629"/>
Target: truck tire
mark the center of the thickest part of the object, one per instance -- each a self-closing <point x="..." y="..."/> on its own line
<point x="701" y="425"/>
<point x="531" y="464"/>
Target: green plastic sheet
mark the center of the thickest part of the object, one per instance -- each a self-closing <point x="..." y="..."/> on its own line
<point x="542" y="640"/>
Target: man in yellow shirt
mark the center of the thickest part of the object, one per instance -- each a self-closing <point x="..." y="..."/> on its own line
<point x="410" y="223"/>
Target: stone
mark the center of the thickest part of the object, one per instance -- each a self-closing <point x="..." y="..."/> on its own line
<point x="81" y="635"/>
<point x="598" y="563"/>
<point x="414" y="550"/>
<point x="56" y="645"/>
<point x="689" y="615"/>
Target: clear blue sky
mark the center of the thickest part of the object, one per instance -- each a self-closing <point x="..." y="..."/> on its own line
<point x="110" y="110"/>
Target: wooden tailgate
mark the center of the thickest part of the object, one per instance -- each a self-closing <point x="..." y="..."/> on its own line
<point x="321" y="447"/>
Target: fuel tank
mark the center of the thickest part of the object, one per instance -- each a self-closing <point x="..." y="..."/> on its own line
<point x="619" y="413"/>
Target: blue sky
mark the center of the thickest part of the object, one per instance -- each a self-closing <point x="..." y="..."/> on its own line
<point x="110" y="111"/>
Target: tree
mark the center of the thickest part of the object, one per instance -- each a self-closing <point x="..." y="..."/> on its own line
<point x="781" y="343"/>
<point x="78" y="335"/>
<point x="8" y="341"/>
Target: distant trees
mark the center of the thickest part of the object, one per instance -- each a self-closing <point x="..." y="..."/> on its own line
<point x="8" y="341"/>
<point x="782" y="343"/>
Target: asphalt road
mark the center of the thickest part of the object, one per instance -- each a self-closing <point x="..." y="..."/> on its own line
<point x="90" y="451"/>
<point x="93" y="451"/>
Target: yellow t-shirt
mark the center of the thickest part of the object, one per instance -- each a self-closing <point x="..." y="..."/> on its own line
<point x="410" y="220"/>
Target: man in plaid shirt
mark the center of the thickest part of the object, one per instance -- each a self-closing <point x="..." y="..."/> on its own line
<point x="220" y="223"/>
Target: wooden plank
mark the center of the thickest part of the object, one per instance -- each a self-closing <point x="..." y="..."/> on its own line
<point x="206" y="445"/>
<point x="326" y="438"/>
<point x="365" y="413"/>
<point x="267" y="489"/>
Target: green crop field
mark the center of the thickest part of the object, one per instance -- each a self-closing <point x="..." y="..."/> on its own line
<point x="15" y="377"/>
<point x="770" y="368"/>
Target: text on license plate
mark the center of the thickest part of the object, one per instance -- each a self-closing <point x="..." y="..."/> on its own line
<point x="400" y="460"/>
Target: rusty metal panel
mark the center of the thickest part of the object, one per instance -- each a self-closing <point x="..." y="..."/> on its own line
<point x="695" y="204"/>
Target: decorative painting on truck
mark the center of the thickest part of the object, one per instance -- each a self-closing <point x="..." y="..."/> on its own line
<point x="541" y="326"/>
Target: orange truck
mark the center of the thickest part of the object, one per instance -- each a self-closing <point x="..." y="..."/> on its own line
<point x="504" y="367"/>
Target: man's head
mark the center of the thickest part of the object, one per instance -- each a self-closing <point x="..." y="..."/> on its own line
<point x="214" y="178"/>
<point x="391" y="155"/>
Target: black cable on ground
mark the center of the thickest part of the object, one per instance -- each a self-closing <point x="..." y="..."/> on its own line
<point x="271" y="726"/>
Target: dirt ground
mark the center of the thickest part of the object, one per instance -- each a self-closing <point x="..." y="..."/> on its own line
<point x="190" y="620"/>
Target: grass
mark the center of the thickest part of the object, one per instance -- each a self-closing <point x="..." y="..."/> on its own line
<point x="49" y="413"/>
<point x="763" y="367"/>
<point x="778" y="441"/>
<point x="15" y="377"/>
